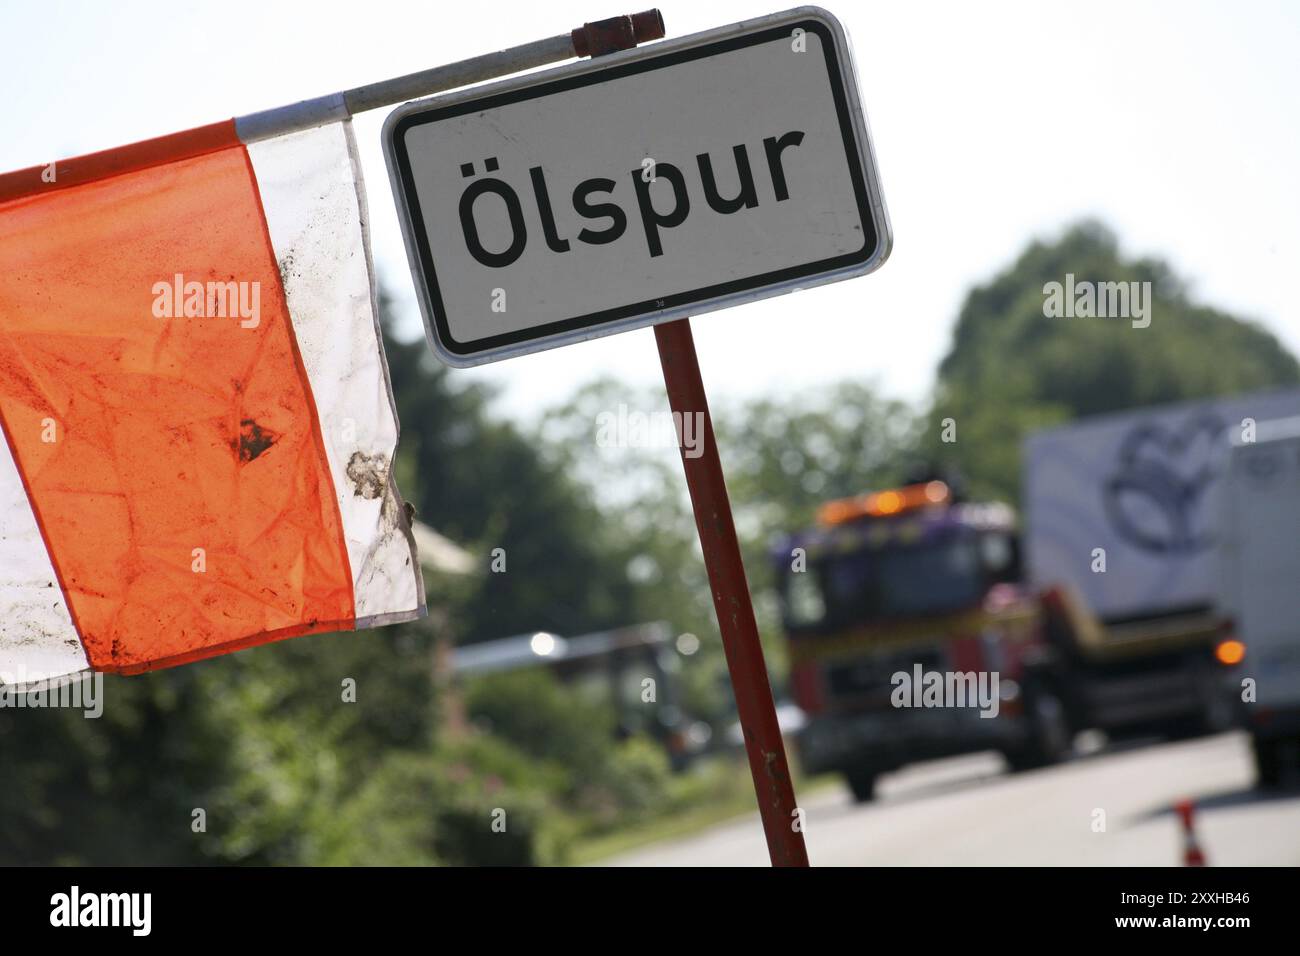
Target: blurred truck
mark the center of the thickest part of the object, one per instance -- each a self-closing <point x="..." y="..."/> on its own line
<point x="1259" y="580"/>
<point x="1123" y="516"/>
<point x="1110" y="622"/>
<point x="897" y="599"/>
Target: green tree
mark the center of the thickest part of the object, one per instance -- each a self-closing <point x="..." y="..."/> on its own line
<point x="1011" y="369"/>
<point x="485" y="482"/>
<point x="264" y="741"/>
<point x="781" y="457"/>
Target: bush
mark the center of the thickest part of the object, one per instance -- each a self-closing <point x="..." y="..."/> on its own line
<point x="544" y="719"/>
<point x="634" y="782"/>
<point x="475" y="802"/>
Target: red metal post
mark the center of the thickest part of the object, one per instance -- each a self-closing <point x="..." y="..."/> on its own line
<point x="708" y="488"/>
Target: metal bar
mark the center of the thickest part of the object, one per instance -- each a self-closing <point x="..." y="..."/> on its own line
<point x="731" y="602"/>
<point x="474" y="70"/>
<point x="589" y="39"/>
<point x="439" y="79"/>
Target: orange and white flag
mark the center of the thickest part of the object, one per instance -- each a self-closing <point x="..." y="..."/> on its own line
<point x="199" y="429"/>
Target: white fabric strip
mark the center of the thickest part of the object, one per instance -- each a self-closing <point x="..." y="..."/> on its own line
<point x="315" y="212"/>
<point x="37" y="639"/>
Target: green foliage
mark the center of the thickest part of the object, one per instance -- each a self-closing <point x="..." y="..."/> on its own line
<point x="635" y="783"/>
<point x="785" y="458"/>
<point x="484" y="483"/>
<point x="389" y="821"/>
<point x="1011" y="369"/>
<point x="119" y="788"/>
<point x="571" y="733"/>
<point x="782" y="459"/>
<point x="478" y="802"/>
<point x="546" y="720"/>
<point x="288" y="772"/>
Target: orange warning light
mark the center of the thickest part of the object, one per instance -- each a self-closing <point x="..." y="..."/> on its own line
<point x="882" y="504"/>
<point x="1230" y="652"/>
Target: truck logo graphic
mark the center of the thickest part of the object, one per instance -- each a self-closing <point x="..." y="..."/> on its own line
<point x="1154" y="497"/>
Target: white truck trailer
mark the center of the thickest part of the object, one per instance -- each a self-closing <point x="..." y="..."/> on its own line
<point x="1123" y="516"/>
<point x="1259" y="579"/>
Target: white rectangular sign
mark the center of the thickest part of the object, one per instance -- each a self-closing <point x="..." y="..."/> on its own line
<point x="645" y="186"/>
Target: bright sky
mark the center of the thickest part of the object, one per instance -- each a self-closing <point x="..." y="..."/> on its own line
<point x="1176" y="123"/>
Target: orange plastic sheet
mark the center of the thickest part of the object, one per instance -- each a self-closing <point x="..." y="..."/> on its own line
<point x="174" y="463"/>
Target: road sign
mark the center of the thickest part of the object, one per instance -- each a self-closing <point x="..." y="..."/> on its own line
<point x="650" y="185"/>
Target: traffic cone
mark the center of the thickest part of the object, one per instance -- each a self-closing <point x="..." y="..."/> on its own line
<point x="1192" y="855"/>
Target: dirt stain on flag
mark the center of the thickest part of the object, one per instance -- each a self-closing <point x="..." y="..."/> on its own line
<point x="253" y="440"/>
<point x="368" y="474"/>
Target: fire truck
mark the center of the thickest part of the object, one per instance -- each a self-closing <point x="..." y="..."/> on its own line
<point x="904" y="586"/>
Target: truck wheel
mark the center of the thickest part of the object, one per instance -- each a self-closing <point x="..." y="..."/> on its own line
<point x="1268" y="761"/>
<point x="862" y="783"/>
<point x="1050" y="740"/>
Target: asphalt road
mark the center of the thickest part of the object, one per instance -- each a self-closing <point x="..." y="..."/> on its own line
<point x="969" y="811"/>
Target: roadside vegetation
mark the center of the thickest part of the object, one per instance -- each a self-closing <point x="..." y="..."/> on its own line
<point x="286" y="772"/>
